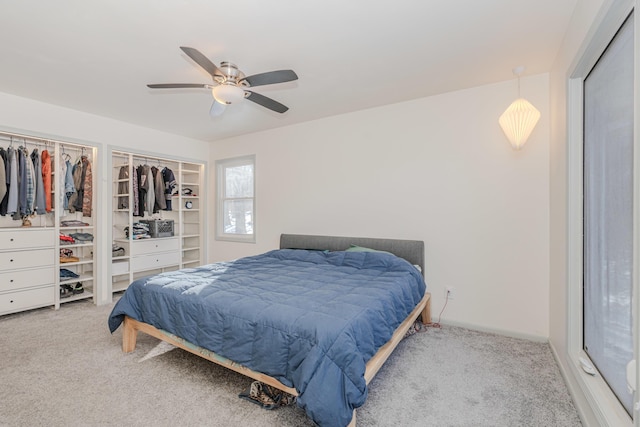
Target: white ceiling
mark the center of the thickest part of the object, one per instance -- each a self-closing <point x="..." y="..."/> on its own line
<point x="97" y="56"/>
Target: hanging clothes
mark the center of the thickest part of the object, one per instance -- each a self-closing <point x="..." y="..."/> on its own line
<point x="142" y="190"/>
<point x="29" y="208"/>
<point x="22" y="185"/>
<point x="169" y="184"/>
<point x="14" y="184"/>
<point x="62" y="178"/>
<point x="81" y="200"/>
<point x="134" y="186"/>
<point x="75" y="199"/>
<point x="45" y="159"/>
<point x="40" y="203"/>
<point x="3" y="176"/>
<point x="66" y="180"/>
<point x="151" y="195"/>
<point x="87" y="186"/>
<point x="158" y="185"/>
<point x="123" y="187"/>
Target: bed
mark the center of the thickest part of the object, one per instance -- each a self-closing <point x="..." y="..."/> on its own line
<point x="316" y="318"/>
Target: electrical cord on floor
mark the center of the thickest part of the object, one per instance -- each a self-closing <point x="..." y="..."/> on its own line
<point x="437" y="324"/>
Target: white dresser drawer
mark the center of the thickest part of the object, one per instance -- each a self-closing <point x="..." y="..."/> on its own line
<point x="151" y="261"/>
<point x="119" y="267"/>
<point x="24" y="300"/>
<point x="18" y="279"/>
<point x="26" y="259"/>
<point x="30" y="238"/>
<point x="143" y="247"/>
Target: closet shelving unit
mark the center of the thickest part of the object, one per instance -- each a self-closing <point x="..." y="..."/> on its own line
<point x="189" y="201"/>
<point x="147" y="256"/>
<point x="29" y="254"/>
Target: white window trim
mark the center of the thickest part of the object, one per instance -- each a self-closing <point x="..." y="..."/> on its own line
<point x="220" y="166"/>
<point x="601" y="399"/>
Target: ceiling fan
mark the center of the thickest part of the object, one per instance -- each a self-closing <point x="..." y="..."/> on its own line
<point x="230" y="85"/>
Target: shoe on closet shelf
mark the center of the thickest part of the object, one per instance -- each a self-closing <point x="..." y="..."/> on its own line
<point x="66" y="291"/>
<point x="77" y="288"/>
<point x="26" y="222"/>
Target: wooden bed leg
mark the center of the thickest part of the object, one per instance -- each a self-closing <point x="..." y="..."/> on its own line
<point x="353" y="420"/>
<point x="129" y="336"/>
<point x="426" y="312"/>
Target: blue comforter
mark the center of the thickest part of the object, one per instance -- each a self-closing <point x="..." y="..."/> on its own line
<point x="310" y="319"/>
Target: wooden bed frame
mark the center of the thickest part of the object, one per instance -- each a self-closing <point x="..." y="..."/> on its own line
<point x="398" y="247"/>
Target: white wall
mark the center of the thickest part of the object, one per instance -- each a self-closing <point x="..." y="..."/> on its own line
<point x="38" y="119"/>
<point x="437" y="169"/>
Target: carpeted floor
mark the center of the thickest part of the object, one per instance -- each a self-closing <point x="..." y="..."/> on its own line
<point x="63" y="368"/>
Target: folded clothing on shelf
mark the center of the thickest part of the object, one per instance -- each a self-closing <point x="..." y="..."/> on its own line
<point x="82" y="237"/>
<point x="140" y="231"/>
<point x="66" y="239"/>
<point x="73" y="223"/>
<point x="65" y="273"/>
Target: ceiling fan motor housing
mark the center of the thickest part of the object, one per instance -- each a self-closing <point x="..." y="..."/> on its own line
<point x="230" y="74"/>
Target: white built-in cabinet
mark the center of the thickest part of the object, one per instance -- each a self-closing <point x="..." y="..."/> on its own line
<point x="31" y="263"/>
<point x="182" y="247"/>
<point x="27" y="269"/>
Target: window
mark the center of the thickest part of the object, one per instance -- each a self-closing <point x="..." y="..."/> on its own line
<point x="236" y="199"/>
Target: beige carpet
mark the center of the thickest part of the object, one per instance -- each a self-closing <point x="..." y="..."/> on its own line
<point x="63" y="368"/>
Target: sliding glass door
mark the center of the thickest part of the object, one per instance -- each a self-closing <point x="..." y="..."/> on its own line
<point x="608" y="191"/>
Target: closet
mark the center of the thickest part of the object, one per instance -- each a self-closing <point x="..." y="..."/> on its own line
<point x="47" y="217"/>
<point x="156" y="216"/>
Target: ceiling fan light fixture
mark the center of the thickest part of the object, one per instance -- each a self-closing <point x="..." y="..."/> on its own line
<point x="228" y="93"/>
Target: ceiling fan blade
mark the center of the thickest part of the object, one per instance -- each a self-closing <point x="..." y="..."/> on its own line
<point x="266" y="102"/>
<point x="202" y="61"/>
<point x="217" y="109"/>
<point x="176" y="85"/>
<point x="271" y="77"/>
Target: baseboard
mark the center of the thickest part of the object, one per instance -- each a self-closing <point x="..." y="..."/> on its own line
<point x="503" y="332"/>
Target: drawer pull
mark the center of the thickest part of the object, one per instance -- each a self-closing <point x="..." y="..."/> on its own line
<point x="11" y="240"/>
<point x="11" y="281"/>
<point x="10" y="260"/>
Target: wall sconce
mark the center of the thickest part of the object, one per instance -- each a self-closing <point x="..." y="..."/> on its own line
<point x="520" y="118"/>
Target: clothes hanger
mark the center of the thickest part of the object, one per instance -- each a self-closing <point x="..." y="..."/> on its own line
<point x="65" y="155"/>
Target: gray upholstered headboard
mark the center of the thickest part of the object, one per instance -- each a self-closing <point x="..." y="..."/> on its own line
<point x="411" y="250"/>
